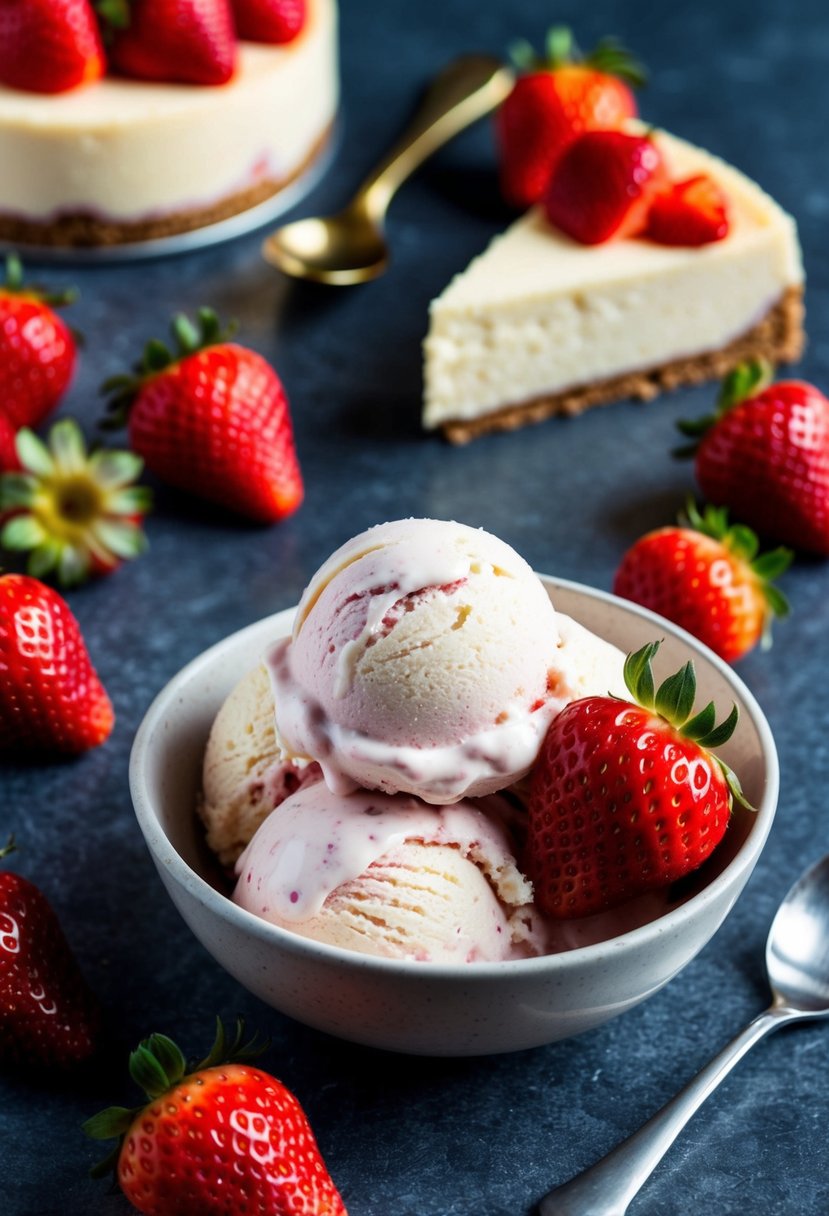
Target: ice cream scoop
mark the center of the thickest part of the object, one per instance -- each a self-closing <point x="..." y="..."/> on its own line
<point x="389" y="875"/>
<point x="422" y="660"/>
<point x="244" y="775"/>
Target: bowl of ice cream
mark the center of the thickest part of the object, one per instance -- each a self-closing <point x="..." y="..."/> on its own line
<point x="383" y="900"/>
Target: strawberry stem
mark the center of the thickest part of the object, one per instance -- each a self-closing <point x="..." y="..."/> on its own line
<point x="560" y="51"/>
<point x="9" y="847"/>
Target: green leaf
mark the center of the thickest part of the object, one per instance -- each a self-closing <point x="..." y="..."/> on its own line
<point x="745" y="381"/>
<point x="109" y="1123"/>
<point x="722" y="733"/>
<point x="156" y="356"/>
<point x="639" y="674"/>
<point x="675" y="697"/>
<point x="734" y="787"/>
<point x="694" y="427"/>
<point x="14" y="272"/>
<point x="742" y="542"/>
<point x="702" y="724"/>
<point x="559" y="46"/>
<point x="169" y="1056"/>
<point x="186" y="334"/>
<point x="777" y="602"/>
<point x="773" y="563"/>
<point x="522" y="54"/>
<point x="147" y="1071"/>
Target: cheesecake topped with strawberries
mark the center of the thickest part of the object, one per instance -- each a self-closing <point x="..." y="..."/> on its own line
<point x="643" y="263"/>
<point x="153" y="118"/>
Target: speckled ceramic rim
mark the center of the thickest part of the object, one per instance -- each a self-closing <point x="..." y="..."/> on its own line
<point x="483" y="972"/>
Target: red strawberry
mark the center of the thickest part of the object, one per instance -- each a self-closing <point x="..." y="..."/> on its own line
<point x="223" y="1138"/>
<point x="708" y="579"/>
<point x="556" y="99"/>
<point x="37" y="350"/>
<point x="8" y="450"/>
<point x="76" y="514"/>
<point x="213" y="419"/>
<point x="51" y="699"/>
<point x="626" y="797"/>
<point x="275" y="21"/>
<point x="183" y="41"/>
<point x="49" y="46"/>
<point x="48" y="1015"/>
<point x="691" y="212"/>
<point x="603" y="185"/>
<point x="765" y="454"/>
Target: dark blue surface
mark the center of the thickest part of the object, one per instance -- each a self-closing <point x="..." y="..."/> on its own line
<point x="417" y="1137"/>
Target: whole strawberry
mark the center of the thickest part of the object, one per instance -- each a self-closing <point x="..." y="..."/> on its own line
<point x="764" y="453"/>
<point x="212" y="419"/>
<point x="556" y="98"/>
<point x="222" y="1138"/>
<point x="626" y="797"/>
<point x="602" y="186"/>
<point x="49" y="1018"/>
<point x="51" y="700"/>
<point x="708" y="578"/>
<point x="49" y="46"/>
<point x="37" y="349"/>
<point x="181" y="41"/>
<point x="273" y="21"/>
<point x="76" y="514"/>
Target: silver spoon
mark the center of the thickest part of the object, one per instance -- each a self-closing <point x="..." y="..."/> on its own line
<point x="350" y="247"/>
<point x="797" y="962"/>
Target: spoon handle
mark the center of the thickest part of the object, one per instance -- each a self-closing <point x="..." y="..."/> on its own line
<point x="606" y="1188"/>
<point x="466" y="90"/>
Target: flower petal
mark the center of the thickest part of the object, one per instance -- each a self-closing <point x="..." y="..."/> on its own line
<point x="22" y="532"/>
<point x="33" y="453"/>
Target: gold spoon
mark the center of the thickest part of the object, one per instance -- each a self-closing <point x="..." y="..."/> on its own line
<point x="350" y="247"/>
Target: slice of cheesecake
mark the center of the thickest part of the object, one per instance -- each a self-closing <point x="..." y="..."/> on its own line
<point x="541" y="325"/>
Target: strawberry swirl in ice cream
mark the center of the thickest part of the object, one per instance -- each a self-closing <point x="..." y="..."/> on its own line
<point x="423" y="660"/>
<point x="391" y="876"/>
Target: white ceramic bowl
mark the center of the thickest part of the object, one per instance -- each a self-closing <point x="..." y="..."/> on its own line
<point x="425" y="1008"/>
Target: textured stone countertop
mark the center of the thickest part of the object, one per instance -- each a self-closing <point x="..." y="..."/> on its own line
<point x="423" y="1137"/>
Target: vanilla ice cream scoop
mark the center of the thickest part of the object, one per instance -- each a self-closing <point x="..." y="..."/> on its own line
<point x="244" y="775"/>
<point x="391" y="876"/>
<point x="422" y="660"/>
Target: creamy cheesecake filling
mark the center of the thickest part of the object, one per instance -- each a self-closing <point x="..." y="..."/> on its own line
<point x="128" y="150"/>
<point x="539" y="314"/>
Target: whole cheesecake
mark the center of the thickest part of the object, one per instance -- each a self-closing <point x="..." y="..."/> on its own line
<point x="540" y="324"/>
<point x="127" y="161"/>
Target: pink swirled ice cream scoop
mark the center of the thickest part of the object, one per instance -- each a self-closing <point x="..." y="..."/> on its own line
<point x="426" y="659"/>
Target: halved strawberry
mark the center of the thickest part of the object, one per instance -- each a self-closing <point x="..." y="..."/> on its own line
<point x="690" y="212"/>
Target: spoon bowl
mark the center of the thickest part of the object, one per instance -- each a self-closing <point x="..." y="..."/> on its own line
<point x="797" y="953"/>
<point x="342" y="249"/>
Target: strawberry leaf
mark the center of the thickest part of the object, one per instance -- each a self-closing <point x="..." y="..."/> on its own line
<point x="775" y="562"/>
<point x="675" y="697"/>
<point x="638" y="674"/>
<point x="722" y="733"/>
<point x="745" y="381"/>
<point x="109" y="1123"/>
<point x="147" y="1071"/>
<point x="702" y="724"/>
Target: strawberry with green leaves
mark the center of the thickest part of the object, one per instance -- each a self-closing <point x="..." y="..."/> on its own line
<point x="557" y="97"/>
<point x="49" y="46"/>
<point x="51" y="699"/>
<point x="709" y="578"/>
<point x="627" y="797"/>
<point x="77" y="514"/>
<point x="271" y="21"/>
<point x="37" y="349"/>
<point x="181" y="41"/>
<point x="49" y="1017"/>
<point x="764" y="453"/>
<point x="222" y="1137"/>
<point x="212" y="418"/>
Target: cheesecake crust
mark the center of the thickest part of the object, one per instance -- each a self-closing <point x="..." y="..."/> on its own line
<point x="79" y="230"/>
<point x="778" y="337"/>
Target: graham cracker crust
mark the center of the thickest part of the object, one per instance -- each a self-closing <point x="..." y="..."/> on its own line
<point x="83" y="230"/>
<point x="778" y="337"/>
